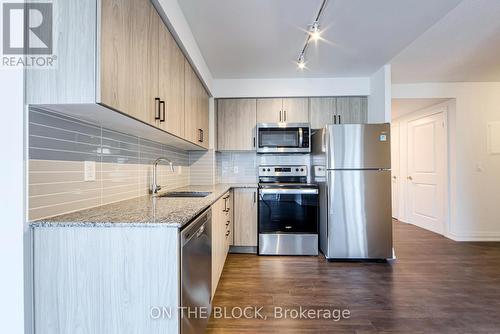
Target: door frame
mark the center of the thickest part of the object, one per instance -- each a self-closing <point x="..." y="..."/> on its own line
<point x="403" y="162"/>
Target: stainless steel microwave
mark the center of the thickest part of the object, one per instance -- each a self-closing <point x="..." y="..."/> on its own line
<point x="283" y="138"/>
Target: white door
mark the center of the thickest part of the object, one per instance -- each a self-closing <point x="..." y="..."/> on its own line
<point x="426" y="170"/>
<point x="395" y="169"/>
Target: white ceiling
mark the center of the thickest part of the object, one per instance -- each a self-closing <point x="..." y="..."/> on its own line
<point x="463" y="46"/>
<point x="263" y="38"/>
<point x="401" y="107"/>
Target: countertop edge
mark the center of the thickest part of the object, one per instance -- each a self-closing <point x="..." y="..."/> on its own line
<point x="42" y="223"/>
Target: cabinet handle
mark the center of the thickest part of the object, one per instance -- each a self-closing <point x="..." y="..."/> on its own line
<point x="334" y="119"/>
<point x="162" y="118"/>
<point x="200" y="135"/>
<point x="284" y="116"/>
<point x="340" y="122"/>
<point x="253" y="141"/>
<point x="254" y="197"/>
<point x="280" y="115"/>
<point x="228" y="222"/>
<point x="157" y="108"/>
<point x="227" y="233"/>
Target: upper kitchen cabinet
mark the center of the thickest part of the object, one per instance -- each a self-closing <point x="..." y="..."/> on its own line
<point x="119" y="56"/>
<point x="344" y="110"/>
<point x="171" y="70"/>
<point x="196" y="108"/>
<point x="270" y="110"/>
<point x="352" y="110"/>
<point x="322" y="110"/>
<point x="129" y="57"/>
<point x="296" y="110"/>
<point x="236" y="119"/>
<point x="290" y="110"/>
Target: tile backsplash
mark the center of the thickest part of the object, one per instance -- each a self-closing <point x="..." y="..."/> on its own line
<point x="60" y="145"/>
<point x="241" y="167"/>
<point x="58" y="148"/>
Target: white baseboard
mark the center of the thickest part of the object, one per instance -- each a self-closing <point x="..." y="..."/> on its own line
<point x="478" y="236"/>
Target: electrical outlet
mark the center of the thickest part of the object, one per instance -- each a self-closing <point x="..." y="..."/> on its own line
<point x="89" y="171"/>
<point x="235" y="170"/>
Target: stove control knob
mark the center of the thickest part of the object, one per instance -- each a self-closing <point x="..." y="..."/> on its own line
<point x="302" y="169"/>
<point x="268" y="170"/>
<point x="296" y="169"/>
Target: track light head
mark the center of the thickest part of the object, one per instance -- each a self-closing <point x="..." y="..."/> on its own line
<point x="301" y="63"/>
<point x="315" y="32"/>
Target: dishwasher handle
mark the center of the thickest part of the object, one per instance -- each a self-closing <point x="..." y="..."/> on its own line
<point x="196" y="228"/>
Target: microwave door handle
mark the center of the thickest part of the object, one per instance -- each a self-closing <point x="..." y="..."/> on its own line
<point x="301" y="137"/>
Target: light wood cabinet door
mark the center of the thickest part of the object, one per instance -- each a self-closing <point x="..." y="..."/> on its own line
<point x="203" y="115"/>
<point x="221" y="236"/>
<point x="352" y="110"/>
<point x="170" y="83"/>
<point x="196" y="108"/>
<point x="236" y="119"/>
<point x="296" y="110"/>
<point x="245" y="217"/>
<point x="129" y="57"/>
<point x="270" y="110"/>
<point x="321" y="111"/>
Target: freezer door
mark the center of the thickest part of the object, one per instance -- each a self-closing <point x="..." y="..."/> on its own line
<point x="358" y="146"/>
<point x="359" y="214"/>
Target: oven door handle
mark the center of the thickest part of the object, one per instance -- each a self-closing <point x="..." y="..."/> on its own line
<point x="273" y="191"/>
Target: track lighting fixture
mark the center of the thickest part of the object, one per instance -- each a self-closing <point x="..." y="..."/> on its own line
<point x="313" y="33"/>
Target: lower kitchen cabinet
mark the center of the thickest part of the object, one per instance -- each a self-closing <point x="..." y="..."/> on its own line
<point x="245" y="217"/>
<point x="222" y="235"/>
<point x="105" y="279"/>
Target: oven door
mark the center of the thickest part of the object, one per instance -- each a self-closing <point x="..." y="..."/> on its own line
<point x="288" y="210"/>
<point x="282" y="139"/>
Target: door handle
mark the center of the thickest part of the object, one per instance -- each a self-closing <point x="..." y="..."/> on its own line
<point x="162" y="117"/>
<point x="157" y="108"/>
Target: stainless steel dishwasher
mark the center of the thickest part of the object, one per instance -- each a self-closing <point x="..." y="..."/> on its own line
<point x="196" y="274"/>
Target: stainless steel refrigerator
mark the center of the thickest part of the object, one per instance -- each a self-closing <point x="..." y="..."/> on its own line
<point x="352" y="165"/>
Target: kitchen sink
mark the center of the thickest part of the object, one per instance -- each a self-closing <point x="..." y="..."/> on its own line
<point x="185" y="194"/>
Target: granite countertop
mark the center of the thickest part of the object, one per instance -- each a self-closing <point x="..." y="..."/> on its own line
<point x="145" y="211"/>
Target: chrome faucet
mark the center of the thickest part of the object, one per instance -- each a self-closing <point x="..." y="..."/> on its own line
<point x="155" y="187"/>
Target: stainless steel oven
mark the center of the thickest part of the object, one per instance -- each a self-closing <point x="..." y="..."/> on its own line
<point x="288" y="212"/>
<point x="283" y="138"/>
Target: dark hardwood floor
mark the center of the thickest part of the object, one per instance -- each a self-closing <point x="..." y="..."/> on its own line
<point x="435" y="286"/>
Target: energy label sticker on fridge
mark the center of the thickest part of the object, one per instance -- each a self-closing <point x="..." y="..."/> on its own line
<point x="383" y="137"/>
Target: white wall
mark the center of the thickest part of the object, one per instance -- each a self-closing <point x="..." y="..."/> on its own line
<point x="474" y="175"/>
<point x="379" y="101"/>
<point x="225" y="88"/>
<point x="12" y="202"/>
